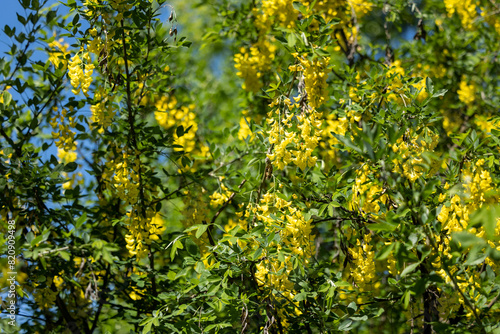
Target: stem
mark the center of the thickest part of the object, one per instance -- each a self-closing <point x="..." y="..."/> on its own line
<point x="131" y="118"/>
<point x="102" y="300"/>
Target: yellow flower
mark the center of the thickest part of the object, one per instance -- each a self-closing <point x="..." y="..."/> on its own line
<point x="466" y="10"/>
<point x="252" y="63"/>
<point x="466" y="93"/>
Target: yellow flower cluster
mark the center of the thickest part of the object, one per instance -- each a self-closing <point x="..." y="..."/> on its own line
<point x="468" y="282"/>
<point x="119" y="7"/>
<point x="167" y="116"/>
<point x="305" y="139"/>
<point x="219" y="198"/>
<point x="477" y="182"/>
<point x="242" y="221"/>
<point x="486" y="123"/>
<point x="45" y="298"/>
<point x="295" y="235"/>
<point x="144" y="227"/>
<point x="103" y="110"/>
<point x="398" y="94"/>
<point x="80" y="74"/>
<point x="232" y="224"/>
<point x="96" y="45"/>
<point x="67" y="157"/>
<point x="434" y="71"/>
<point x="275" y="11"/>
<point x="392" y="265"/>
<point x="58" y="52"/>
<point x="491" y="17"/>
<point x="466" y="93"/>
<point x="309" y="126"/>
<point x="363" y="267"/>
<point x="454" y="219"/>
<point x="252" y="63"/>
<point x="466" y="9"/>
<point x="342" y="9"/>
<point x="124" y="178"/>
<point x="411" y="154"/>
<point x="136" y="293"/>
<point x="65" y="137"/>
<point x="282" y="12"/>
<point x="314" y="78"/>
<point x="366" y="193"/>
<point x="245" y="130"/>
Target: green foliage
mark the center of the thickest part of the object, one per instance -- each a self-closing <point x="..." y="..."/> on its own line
<point x="255" y="167"/>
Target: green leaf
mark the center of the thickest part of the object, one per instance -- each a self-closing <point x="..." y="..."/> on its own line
<point x="475" y="256"/>
<point x="65" y="255"/>
<point x="36" y="240"/>
<point x="301" y="296"/>
<point x="467" y="239"/>
<point x="70" y="167"/>
<point x="345" y="325"/>
<point x="429" y="85"/>
<point x="8" y="31"/>
<point x="7" y="97"/>
<point x="147" y="326"/>
<point x="292" y="40"/>
<point x="199" y="267"/>
<point x="409" y="269"/>
<point x="76" y="18"/>
<point x="81" y="220"/>
<point x="440" y="93"/>
<point x="487" y="217"/>
<point x="201" y="230"/>
<point x="177" y="244"/>
<point x="179" y="131"/>
<point x="300" y="7"/>
<point x="383" y="226"/>
<point x="384" y="252"/>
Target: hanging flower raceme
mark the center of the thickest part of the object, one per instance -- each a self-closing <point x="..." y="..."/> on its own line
<point x="466" y="92"/>
<point x="219" y="198"/>
<point x="294" y="141"/>
<point x="168" y="115"/>
<point x="58" y="52"/>
<point x="465" y="9"/>
<point x="252" y="62"/>
<point x="66" y="157"/>
<point x="62" y="124"/>
<point x="103" y="109"/>
<point x="275" y="11"/>
<point x="144" y="227"/>
<point x="367" y="194"/>
<point x="80" y="73"/>
<point x="454" y="217"/>
<point x="363" y="267"/>
<point x="296" y="243"/>
<point x="315" y="75"/>
<point x="409" y="163"/>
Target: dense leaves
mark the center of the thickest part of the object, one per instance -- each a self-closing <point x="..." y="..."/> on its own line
<point x="270" y="166"/>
